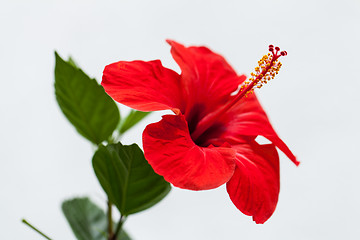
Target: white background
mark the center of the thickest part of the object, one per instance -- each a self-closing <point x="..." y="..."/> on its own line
<point x="313" y="104"/>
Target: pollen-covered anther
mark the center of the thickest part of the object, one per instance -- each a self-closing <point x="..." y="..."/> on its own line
<point x="269" y="66"/>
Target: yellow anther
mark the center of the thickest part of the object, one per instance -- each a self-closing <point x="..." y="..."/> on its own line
<point x="268" y="67"/>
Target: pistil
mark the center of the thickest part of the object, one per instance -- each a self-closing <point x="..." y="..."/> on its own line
<point x="269" y="66"/>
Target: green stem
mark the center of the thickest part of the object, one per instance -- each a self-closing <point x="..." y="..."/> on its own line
<point x="35" y="229"/>
<point x="118" y="228"/>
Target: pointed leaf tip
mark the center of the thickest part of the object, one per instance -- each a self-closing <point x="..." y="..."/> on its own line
<point x="84" y="102"/>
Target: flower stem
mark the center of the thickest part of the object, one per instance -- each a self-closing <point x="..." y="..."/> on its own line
<point x="35" y="229"/>
<point x="118" y="228"/>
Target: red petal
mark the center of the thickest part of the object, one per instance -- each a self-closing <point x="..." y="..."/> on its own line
<point x="207" y="79"/>
<point x="247" y="118"/>
<point x="254" y="187"/>
<point x="145" y="86"/>
<point x="172" y="154"/>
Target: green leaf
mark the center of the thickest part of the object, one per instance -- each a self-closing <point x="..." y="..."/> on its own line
<point x="84" y="102"/>
<point x="87" y="220"/>
<point x="127" y="178"/>
<point x="72" y="62"/>
<point x="132" y="118"/>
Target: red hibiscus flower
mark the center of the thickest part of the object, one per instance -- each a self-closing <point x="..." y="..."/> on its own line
<point x="211" y="138"/>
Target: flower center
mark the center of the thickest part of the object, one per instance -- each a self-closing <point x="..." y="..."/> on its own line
<point x="269" y="66"/>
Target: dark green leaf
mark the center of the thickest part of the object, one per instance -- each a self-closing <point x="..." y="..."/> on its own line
<point x="87" y="220"/>
<point x="133" y="118"/>
<point x="84" y="102"/>
<point x="127" y="178"/>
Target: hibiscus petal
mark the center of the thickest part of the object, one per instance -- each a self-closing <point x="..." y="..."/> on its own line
<point x="254" y="187"/>
<point x="171" y="152"/>
<point x="145" y="86"/>
<point x="207" y="79"/>
<point x="247" y="118"/>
